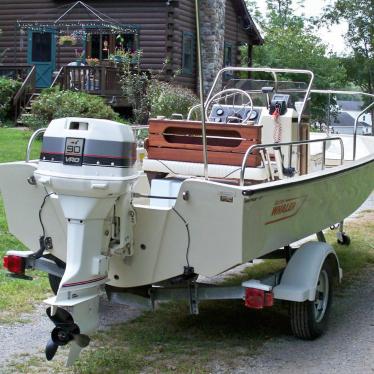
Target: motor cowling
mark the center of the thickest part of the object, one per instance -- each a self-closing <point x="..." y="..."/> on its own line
<point x="91" y="156"/>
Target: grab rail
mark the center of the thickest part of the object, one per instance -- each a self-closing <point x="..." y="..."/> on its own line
<point x="356" y="128"/>
<point x="353" y="93"/>
<point x="291" y="144"/>
<point x="33" y="137"/>
<point x="197" y="106"/>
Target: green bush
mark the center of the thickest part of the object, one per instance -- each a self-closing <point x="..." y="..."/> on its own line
<point x="8" y="88"/>
<point x="167" y="99"/>
<point x="134" y="86"/>
<point x="149" y="96"/>
<point x="53" y="103"/>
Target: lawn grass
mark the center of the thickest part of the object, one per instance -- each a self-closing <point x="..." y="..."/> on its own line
<point x="16" y="296"/>
<point x="13" y="143"/>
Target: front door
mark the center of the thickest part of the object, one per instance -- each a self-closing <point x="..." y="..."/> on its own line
<point x="42" y="54"/>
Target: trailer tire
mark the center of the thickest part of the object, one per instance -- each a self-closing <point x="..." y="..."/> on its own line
<point x="309" y="319"/>
<point x="54" y="282"/>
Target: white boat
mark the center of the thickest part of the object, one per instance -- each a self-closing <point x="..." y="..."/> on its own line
<point x="244" y="185"/>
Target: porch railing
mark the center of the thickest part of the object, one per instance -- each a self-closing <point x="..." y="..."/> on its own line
<point x="99" y="80"/>
<point x="27" y="75"/>
<point x="22" y="97"/>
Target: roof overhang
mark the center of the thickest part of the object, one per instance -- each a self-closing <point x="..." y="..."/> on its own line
<point x="248" y="23"/>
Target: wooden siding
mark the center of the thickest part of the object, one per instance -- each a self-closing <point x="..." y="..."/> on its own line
<point x="184" y="21"/>
<point x="160" y="38"/>
<point x="234" y="32"/>
<point x="149" y="15"/>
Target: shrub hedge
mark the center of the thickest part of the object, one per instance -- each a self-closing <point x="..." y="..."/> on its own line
<point x="54" y="103"/>
<point x="167" y="98"/>
<point x="8" y="88"/>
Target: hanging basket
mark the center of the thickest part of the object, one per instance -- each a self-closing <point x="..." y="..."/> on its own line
<point x="67" y="40"/>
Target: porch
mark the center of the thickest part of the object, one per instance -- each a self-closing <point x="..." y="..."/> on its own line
<point x="98" y="80"/>
<point x="80" y="35"/>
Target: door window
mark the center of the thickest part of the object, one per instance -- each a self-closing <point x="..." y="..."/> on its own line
<point x="41" y="47"/>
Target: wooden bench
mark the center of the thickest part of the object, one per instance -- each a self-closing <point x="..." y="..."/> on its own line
<point x="182" y="141"/>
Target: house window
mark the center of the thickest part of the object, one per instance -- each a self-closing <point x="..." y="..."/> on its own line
<point x="101" y="46"/>
<point x="227" y="59"/>
<point x="187" y="53"/>
<point x="227" y="56"/>
<point x="126" y="42"/>
<point x="41" y="47"/>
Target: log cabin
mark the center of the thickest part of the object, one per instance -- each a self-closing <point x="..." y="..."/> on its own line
<point x="163" y="30"/>
<point x="36" y="34"/>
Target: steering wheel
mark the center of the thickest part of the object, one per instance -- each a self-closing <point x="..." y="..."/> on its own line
<point x="232" y="92"/>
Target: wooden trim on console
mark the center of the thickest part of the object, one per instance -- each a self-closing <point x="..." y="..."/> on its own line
<point x="182" y="141"/>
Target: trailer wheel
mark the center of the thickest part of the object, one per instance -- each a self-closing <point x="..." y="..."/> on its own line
<point x="54" y="282"/>
<point x="344" y="240"/>
<point x="309" y="319"/>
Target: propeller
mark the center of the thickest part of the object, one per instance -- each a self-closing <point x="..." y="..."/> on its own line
<point x="64" y="332"/>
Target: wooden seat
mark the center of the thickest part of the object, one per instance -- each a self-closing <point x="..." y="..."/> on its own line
<point x="182" y="141"/>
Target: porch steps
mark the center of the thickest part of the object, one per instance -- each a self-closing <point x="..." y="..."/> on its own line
<point x="26" y="111"/>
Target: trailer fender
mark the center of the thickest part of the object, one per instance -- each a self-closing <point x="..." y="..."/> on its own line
<point x="300" y="277"/>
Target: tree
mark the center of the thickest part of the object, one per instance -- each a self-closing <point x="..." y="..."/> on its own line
<point x="291" y="43"/>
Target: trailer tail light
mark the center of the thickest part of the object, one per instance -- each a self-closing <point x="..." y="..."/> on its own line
<point x="258" y="299"/>
<point x="14" y="264"/>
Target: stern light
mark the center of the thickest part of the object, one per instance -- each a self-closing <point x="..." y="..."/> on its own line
<point x="14" y="264"/>
<point x="258" y="299"/>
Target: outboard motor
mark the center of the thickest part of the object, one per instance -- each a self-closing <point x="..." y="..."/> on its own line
<point x="88" y="166"/>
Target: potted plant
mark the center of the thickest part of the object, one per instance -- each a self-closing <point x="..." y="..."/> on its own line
<point x="92" y="62"/>
<point x="67" y="40"/>
<point x="121" y="55"/>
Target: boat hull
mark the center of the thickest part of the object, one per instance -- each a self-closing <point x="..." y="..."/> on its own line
<point x="212" y="226"/>
<point x="230" y="225"/>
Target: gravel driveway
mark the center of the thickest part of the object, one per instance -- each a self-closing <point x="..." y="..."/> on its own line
<point x="348" y="347"/>
<point x="31" y="337"/>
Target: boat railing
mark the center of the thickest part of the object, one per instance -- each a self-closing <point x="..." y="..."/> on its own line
<point x="192" y="110"/>
<point x="34" y="136"/>
<point x="138" y="130"/>
<point x="198" y="106"/>
<point x="264" y="147"/>
<point x="274" y="73"/>
<point x="355" y="127"/>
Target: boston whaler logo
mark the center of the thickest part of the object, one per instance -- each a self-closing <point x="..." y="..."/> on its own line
<point x="284" y="209"/>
